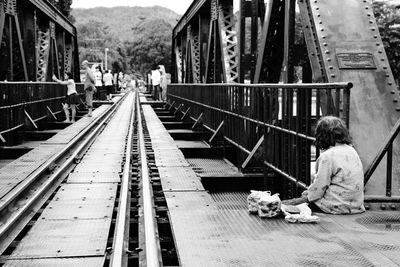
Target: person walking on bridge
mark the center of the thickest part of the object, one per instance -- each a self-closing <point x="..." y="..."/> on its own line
<point x="89" y="86"/>
<point x="72" y="98"/>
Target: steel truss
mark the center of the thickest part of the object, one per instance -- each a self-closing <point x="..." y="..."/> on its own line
<point x="340" y="43"/>
<point x="37" y="41"/>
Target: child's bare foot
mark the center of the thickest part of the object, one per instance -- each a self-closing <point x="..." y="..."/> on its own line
<point x="67" y="121"/>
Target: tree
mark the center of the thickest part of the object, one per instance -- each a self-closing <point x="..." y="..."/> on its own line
<point x="388" y="19"/>
<point x="64" y="6"/>
<point x="151" y="45"/>
<point x="94" y="37"/>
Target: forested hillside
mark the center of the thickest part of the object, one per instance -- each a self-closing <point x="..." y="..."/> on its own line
<point x="121" y="20"/>
<point x="136" y="37"/>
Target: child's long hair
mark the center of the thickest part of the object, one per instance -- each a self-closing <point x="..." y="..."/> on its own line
<point x="329" y="131"/>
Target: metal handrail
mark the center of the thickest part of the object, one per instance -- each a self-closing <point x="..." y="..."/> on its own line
<point x="338" y="85"/>
<point x="386" y="149"/>
<point x="248" y="119"/>
<point x="274" y="111"/>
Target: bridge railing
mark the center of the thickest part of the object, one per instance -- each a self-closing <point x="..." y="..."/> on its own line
<point x="23" y="103"/>
<point x="273" y="120"/>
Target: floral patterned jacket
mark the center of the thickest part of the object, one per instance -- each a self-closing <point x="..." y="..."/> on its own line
<point x="338" y="183"/>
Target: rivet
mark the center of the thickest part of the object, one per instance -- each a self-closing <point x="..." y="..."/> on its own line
<point x="318" y="15"/>
<point x="327" y="52"/>
<point x="390" y="84"/>
<point x="380" y="52"/>
<point x="329" y="59"/>
<point x="366" y="7"/>
<point x="393" y="206"/>
<point x="320" y="22"/>
<point x="383" y="207"/>
<point x="382" y="59"/>
<point x="333" y="75"/>
<point x="325" y="44"/>
<point x="322" y="30"/>
<point x="378" y="44"/>
<point x="330" y="67"/>
<point x="367" y="207"/>
<point x="369" y="15"/>
<point x="384" y="67"/>
<point x="317" y="8"/>
<point x="395" y="100"/>
<point x="387" y="75"/>
<point x="371" y="21"/>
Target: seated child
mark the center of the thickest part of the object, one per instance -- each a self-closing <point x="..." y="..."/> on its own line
<point x="338" y="183"/>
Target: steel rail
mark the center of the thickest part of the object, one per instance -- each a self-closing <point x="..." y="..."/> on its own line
<point x="153" y="257"/>
<point x="6" y="227"/>
<point x="120" y="246"/>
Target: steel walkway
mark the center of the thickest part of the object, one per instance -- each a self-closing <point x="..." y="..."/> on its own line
<point x="215" y="229"/>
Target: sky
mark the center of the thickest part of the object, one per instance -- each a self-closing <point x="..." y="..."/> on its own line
<point x="179" y="6"/>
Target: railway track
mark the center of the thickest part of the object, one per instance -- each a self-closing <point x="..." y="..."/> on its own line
<point x="138" y="231"/>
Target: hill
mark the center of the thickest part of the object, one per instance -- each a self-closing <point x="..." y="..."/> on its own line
<point x="121" y="20"/>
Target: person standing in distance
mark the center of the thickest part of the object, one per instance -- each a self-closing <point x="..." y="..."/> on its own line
<point x="108" y="83"/>
<point x="156" y="79"/>
<point x="89" y="86"/>
<point x="72" y="98"/>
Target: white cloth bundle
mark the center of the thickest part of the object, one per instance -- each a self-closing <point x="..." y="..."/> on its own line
<point x="300" y="213"/>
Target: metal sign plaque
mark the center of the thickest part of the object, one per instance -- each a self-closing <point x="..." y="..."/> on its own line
<point x="356" y="61"/>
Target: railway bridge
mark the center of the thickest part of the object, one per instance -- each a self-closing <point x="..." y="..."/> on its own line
<point x="151" y="183"/>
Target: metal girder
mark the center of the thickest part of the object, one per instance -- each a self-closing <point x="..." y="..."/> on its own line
<point x="43" y="51"/>
<point x="351" y="49"/>
<point x="255" y="11"/>
<point x="270" y="53"/>
<point x="25" y="46"/>
<point x="54" y="15"/>
<point x="9" y="10"/>
<point x="195" y="55"/>
<point x="178" y="62"/>
<point x="229" y="43"/>
<point x="68" y="58"/>
<point x="188" y="56"/>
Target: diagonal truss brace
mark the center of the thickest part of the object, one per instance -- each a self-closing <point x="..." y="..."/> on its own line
<point x="229" y="43"/>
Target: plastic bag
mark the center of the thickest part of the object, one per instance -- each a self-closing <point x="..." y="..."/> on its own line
<point x="269" y="206"/>
<point x="254" y="197"/>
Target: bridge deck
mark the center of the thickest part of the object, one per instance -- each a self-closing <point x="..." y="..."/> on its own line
<point x="73" y="229"/>
<point x="209" y="228"/>
<point x="215" y="229"/>
<point x="17" y="171"/>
